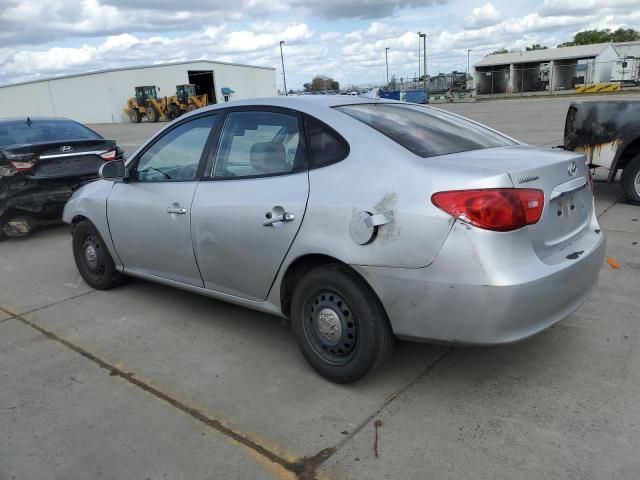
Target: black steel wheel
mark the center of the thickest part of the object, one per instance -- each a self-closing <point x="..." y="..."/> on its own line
<point x="340" y="325"/>
<point x="330" y="326"/>
<point x="93" y="259"/>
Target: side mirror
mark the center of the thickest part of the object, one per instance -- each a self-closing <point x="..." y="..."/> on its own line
<point x="113" y="170"/>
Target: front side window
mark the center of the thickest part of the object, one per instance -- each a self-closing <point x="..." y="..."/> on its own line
<point x="176" y="155"/>
<point x="425" y="131"/>
<point x="258" y="144"/>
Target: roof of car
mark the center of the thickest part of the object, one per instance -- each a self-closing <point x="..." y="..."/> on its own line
<point x="298" y="102"/>
<point x="320" y="100"/>
<point x="35" y="119"/>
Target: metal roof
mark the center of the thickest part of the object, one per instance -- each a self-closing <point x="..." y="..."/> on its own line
<point x="628" y="49"/>
<point x="135" y="67"/>
<point x="560" y="53"/>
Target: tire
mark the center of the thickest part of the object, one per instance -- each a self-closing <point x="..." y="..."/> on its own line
<point x="340" y="325"/>
<point x="630" y="180"/>
<point x="100" y="273"/>
<point x="173" y="112"/>
<point x="134" y="116"/>
<point x="152" y="115"/>
<point x="191" y="107"/>
<point x="3" y="236"/>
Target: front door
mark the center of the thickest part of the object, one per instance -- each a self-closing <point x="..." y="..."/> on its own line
<point x="245" y="217"/>
<point x="150" y="215"/>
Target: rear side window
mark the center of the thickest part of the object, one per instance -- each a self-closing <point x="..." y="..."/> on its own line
<point x="425" y="131"/>
<point x="16" y="132"/>
<point x="325" y="145"/>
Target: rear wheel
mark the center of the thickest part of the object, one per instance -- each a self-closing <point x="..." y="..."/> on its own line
<point x="630" y="180"/>
<point x="92" y="258"/>
<point x="134" y="116"/>
<point x="339" y="324"/>
<point x="152" y="114"/>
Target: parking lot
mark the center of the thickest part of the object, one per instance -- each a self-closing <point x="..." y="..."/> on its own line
<point x="149" y="382"/>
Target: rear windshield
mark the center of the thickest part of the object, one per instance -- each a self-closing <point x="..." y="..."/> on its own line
<point x="19" y="131"/>
<point x="425" y="131"/>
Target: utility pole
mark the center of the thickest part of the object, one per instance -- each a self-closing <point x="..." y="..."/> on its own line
<point x="284" y="77"/>
<point x="467" y="78"/>
<point x="386" y="60"/>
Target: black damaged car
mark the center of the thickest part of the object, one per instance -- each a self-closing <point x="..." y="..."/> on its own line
<point x="42" y="161"/>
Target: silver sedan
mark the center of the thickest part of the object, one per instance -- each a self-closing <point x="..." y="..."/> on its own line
<point x="360" y="220"/>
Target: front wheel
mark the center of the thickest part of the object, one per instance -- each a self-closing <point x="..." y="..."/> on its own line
<point x="630" y="180"/>
<point x="152" y="115"/>
<point x="92" y="258"/>
<point x="339" y="324"/>
<point x="134" y="116"/>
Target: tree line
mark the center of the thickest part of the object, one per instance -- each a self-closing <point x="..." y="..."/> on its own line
<point x="588" y="37"/>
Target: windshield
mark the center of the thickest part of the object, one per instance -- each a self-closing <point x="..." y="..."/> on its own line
<point x="39" y="131"/>
<point x="425" y="131"/>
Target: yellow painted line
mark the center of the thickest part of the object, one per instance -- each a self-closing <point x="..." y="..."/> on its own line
<point x="284" y="467"/>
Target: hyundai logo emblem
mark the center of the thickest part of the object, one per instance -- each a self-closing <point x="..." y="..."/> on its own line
<point x="572" y="168"/>
<point x="66" y="149"/>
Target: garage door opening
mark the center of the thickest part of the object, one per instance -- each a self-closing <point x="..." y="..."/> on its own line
<point x="203" y="80"/>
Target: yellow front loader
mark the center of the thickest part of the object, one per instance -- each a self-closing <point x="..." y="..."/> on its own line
<point x="146" y="104"/>
<point x="185" y="100"/>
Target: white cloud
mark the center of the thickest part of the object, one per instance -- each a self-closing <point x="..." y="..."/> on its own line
<point x="101" y="34"/>
<point x="483" y="16"/>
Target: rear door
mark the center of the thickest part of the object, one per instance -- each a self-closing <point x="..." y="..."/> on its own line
<point x="246" y="214"/>
<point x="150" y="215"/>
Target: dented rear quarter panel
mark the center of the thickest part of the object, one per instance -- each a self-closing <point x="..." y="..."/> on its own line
<point x="602" y="130"/>
<point x="381" y="176"/>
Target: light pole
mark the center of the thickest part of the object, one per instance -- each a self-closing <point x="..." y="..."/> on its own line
<point x="386" y="60"/>
<point x="424" y="43"/>
<point x="468" y="52"/>
<point x="419" y="66"/>
<point x="284" y="77"/>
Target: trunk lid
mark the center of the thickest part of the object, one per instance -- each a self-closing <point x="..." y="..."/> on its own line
<point x="562" y="176"/>
<point x="58" y="159"/>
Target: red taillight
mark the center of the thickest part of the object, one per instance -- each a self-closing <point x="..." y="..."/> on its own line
<point x="593" y="189"/>
<point x="498" y="209"/>
<point x="22" y="166"/>
<point x="110" y="155"/>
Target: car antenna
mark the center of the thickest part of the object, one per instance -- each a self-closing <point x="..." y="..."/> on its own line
<point x="29" y="122"/>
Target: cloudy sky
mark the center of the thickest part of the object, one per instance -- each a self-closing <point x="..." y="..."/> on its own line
<point x="345" y="39"/>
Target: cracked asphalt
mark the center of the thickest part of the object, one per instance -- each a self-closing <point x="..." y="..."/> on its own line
<point x="149" y="382"/>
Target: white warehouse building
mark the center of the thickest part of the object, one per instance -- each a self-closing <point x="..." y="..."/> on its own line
<point x="101" y="96"/>
<point x="555" y="69"/>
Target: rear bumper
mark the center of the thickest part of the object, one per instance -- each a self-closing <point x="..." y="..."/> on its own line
<point x="467" y="297"/>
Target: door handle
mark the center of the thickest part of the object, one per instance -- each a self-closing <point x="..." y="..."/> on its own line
<point x="284" y="217"/>
<point x="178" y="210"/>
